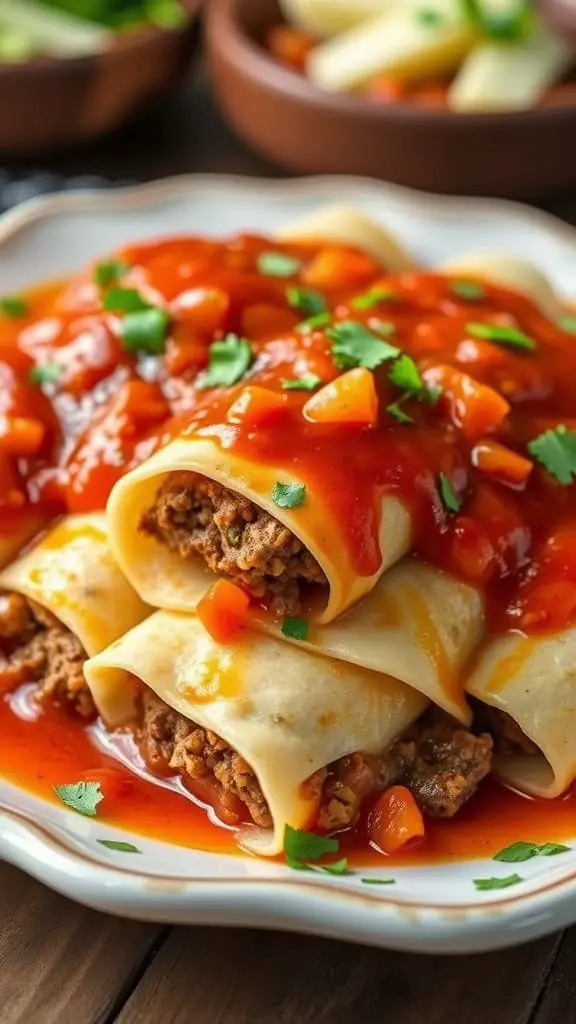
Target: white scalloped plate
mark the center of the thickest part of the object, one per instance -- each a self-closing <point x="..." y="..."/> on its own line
<point x="433" y="909"/>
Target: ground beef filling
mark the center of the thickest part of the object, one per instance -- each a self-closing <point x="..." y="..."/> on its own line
<point x="509" y="739"/>
<point x="194" y="516"/>
<point x="441" y="764"/>
<point x="35" y="647"/>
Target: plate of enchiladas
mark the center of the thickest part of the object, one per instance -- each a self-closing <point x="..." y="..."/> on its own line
<point x="288" y="558"/>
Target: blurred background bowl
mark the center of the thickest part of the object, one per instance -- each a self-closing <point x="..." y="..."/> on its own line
<point x="50" y="102"/>
<point x="285" y="117"/>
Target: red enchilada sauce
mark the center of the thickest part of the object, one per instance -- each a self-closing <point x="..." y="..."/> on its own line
<point x="80" y="405"/>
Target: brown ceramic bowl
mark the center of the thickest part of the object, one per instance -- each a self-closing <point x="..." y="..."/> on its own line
<point x="50" y="101"/>
<point x="304" y="129"/>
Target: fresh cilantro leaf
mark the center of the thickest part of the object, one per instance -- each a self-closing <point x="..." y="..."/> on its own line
<point x="509" y="336"/>
<point x="338" y="867"/>
<point x="288" y="495"/>
<point x="310" y="302"/>
<point x="278" y="264"/>
<point x="145" y="331"/>
<point x="517" y="852"/>
<point x="373" y="296"/>
<point x="303" y="846"/>
<point x="449" y="498"/>
<point x="295" y="628"/>
<point x="307" y="383"/>
<point x="378" y="881"/>
<point x="82" y="797"/>
<point x="13" y="306"/>
<point x="568" y="324"/>
<point x="552" y="849"/>
<point x="469" y="290"/>
<point x="405" y="375"/>
<point x="230" y="359"/>
<point x="297" y="865"/>
<point x="124" y="300"/>
<point x="313" y="322"/>
<point x="354" y="345"/>
<point x="429" y="16"/>
<point x="485" y="884"/>
<point x="506" y="26"/>
<point x="522" y="851"/>
<point x="556" y="451"/>
<point x="113" y="844"/>
<point x="396" y="410"/>
<point x="46" y="374"/>
<point x="109" y="271"/>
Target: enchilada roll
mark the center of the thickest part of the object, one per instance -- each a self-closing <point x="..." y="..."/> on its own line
<point x="62" y="601"/>
<point x="280" y="736"/>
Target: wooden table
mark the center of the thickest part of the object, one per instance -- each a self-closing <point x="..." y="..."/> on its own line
<point x="62" y="963"/>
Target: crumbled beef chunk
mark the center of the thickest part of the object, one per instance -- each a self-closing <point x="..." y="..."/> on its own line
<point x="35" y="647"/>
<point x="441" y="763"/>
<point x="508" y="736"/>
<point x="195" y="516"/>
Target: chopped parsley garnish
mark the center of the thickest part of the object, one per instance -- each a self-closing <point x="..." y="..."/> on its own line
<point x="307" y="383"/>
<point x="278" y="264"/>
<point x="124" y="300"/>
<point x="505" y="26"/>
<point x="230" y="360"/>
<point x="288" y="495"/>
<point x="405" y="374"/>
<point x="556" y="451"/>
<point x="13" y="306"/>
<point x="373" y="296"/>
<point x="114" y="844"/>
<point x="485" y="884"/>
<point x="109" y="271"/>
<point x="521" y="851"/>
<point x="468" y="290"/>
<point x="397" y="412"/>
<point x="568" y="324"/>
<point x="354" y="345"/>
<point x="46" y="374"/>
<point x="378" y="881"/>
<point x="508" y="336"/>
<point x="429" y="16"/>
<point x="307" y="300"/>
<point x="295" y="628"/>
<point x="313" y="322"/>
<point x="449" y="498"/>
<point x="145" y="331"/>
<point x="302" y="847"/>
<point x="82" y="797"/>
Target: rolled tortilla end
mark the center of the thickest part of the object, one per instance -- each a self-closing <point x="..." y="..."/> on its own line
<point x="348" y="225"/>
<point x="508" y="271"/>
<point x="286" y="712"/>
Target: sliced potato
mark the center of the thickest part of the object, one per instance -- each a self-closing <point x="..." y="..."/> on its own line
<point x="509" y="271"/>
<point x="328" y="17"/>
<point x="499" y="77"/>
<point x="347" y="225"/>
<point x="400" y="43"/>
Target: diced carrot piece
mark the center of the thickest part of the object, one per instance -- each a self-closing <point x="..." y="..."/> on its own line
<point x="290" y="46"/>
<point x="500" y="462"/>
<point x="262" y="320"/>
<point x="223" y="610"/>
<point x="255" y="406"/>
<point x="142" y="402"/>
<point x="335" y="267"/>
<point x="475" y="408"/>
<point x="350" y="398"/>
<point x="395" y="820"/>
<point x="386" y="87"/>
<point x="21" y="436"/>
<point x="203" y="309"/>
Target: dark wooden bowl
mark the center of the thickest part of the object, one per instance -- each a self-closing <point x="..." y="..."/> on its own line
<point x="304" y="129"/>
<point x="50" y="102"/>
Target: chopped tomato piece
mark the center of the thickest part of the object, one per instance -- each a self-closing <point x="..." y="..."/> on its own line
<point x="336" y="268"/>
<point x="549" y="605"/>
<point x="21" y="436"/>
<point x="290" y="46"/>
<point x="500" y="462"/>
<point x="395" y="820"/>
<point x="263" y="320"/>
<point x="350" y="398"/>
<point x="185" y="354"/>
<point x="256" y="406"/>
<point x="203" y="309"/>
<point x="223" y="610"/>
<point x="472" y="553"/>
<point x="475" y="408"/>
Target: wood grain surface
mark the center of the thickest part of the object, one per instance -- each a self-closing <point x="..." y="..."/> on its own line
<point x="64" y="964"/>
